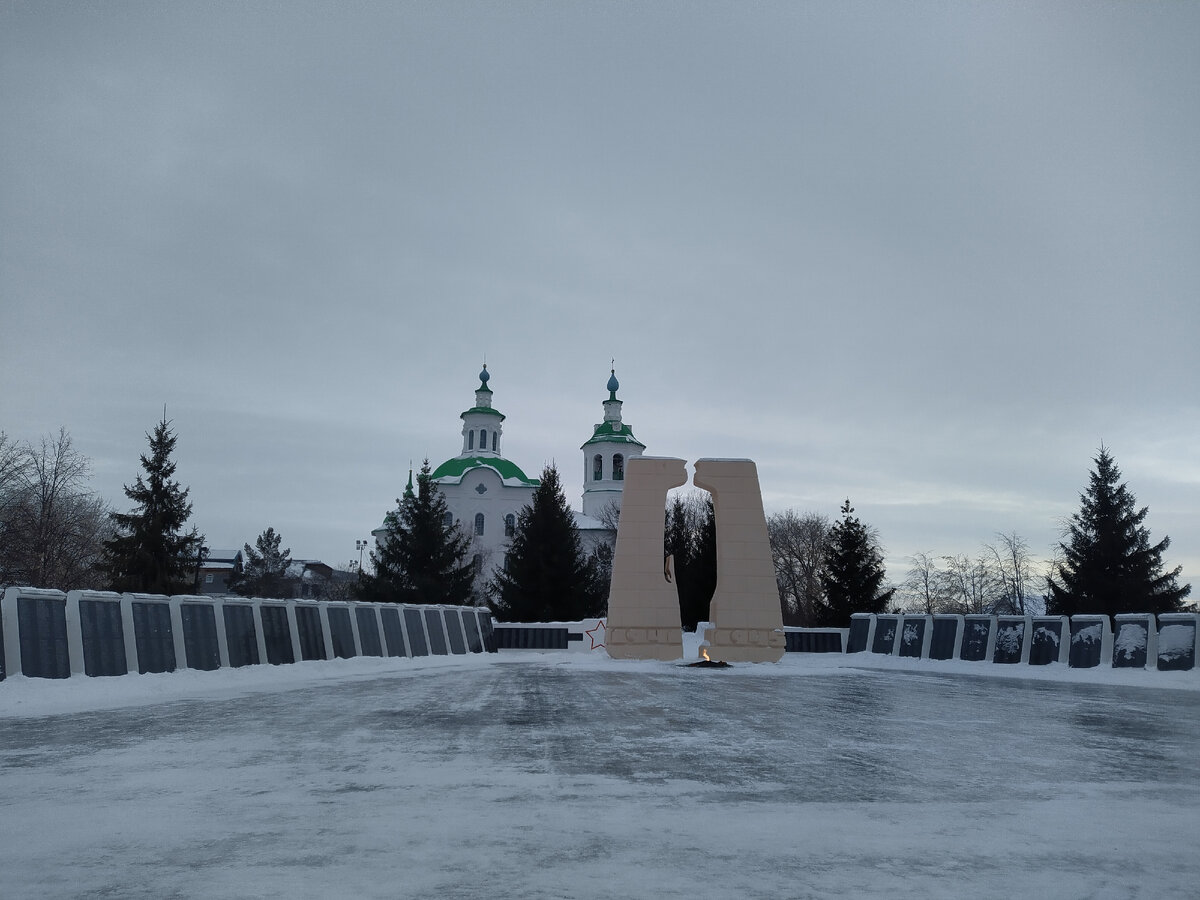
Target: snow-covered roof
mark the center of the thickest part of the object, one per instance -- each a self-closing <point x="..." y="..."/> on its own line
<point x="587" y="523"/>
<point x="453" y="470"/>
<point x="612" y="432"/>
<point x="302" y="568"/>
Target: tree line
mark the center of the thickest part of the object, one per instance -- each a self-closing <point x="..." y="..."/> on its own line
<point x="55" y="532"/>
<point x="52" y="527"/>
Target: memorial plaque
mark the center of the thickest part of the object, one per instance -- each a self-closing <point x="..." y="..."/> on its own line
<point x="392" y="634"/>
<point x="277" y="634"/>
<point x="436" y="632"/>
<point x="1047" y="640"/>
<point x="912" y="637"/>
<point x="1087" y="641"/>
<point x="200" y="646"/>
<point x="341" y="632"/>
<point x="471" y="624"/>
<point x="309" y="632"/>
<point x="454" y="630"/>
<point x="519" y="637"/>
<point x="416" y="632"/>
<point x="976" y="634"/>
<point x="813" y="641"/>
<point x="103" y="634"/>
<point x="485" y="628"/>
<point x="1129" y="646"/>
<point x="240" y="636"/>
<point x="1176" y="645"/>
<point x="885" y="634"/>
<point x="153" y="637"/>
<point x="368" y="631"/>
<point x="859" y="629"/>
<point x="1010" y="638"/>
<point x="945" y="633"/>
<point x="42" y="629"/>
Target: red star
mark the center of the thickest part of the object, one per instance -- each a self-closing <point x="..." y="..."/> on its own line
<point x="596" y="635"/>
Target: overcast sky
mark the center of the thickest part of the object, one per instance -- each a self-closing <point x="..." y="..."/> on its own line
<point x="924" y="256"/>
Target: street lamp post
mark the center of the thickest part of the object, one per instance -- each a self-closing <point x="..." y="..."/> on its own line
<point x="200" y="554"/>
<point x="360" y="546"/>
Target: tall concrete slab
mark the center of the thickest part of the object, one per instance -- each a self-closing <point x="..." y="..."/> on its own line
<point x="643" y="603"/>
<point x="748" y="622"/>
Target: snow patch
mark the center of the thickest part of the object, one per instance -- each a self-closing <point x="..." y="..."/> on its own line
<point x="1131" y="641"/>
<point x="1089" y="635"/>
<point x="1043" y="634"/>
<point x="1008" y="638"/>
<point x="1176" y="641"/>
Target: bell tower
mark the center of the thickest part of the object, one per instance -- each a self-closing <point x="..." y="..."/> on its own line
<point x="606" y="454"/>
<point x="482" y="424"/>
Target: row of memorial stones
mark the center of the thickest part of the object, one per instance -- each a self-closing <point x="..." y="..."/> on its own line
<point x="1082" y="642"/>
<point x="49" y="634"/>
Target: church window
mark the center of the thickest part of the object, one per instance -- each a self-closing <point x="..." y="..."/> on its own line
<point x="448" y="519"/>
<point x="471" y="439"/>
<point x="597" y="467"/>
<point x="510" y="525"/>
<point x="495" y="441"/>
<point x="477" y="562"/>
<point x="482" y="439"/>
<point x="479" y="523"/>
<point x="618" y="467"/>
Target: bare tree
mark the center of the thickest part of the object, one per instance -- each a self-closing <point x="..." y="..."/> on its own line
<point x="972" y="584"/>
<point x="926" y="587"/>
<point x="341" y="585"/>
<point x="51" y="526"/>
<point x="1015" y="572"/>
<point x="14" y="477"/>
<point x="14" y="480"/>
<point x="610" y="514"/>
<point x="798" y="547"/>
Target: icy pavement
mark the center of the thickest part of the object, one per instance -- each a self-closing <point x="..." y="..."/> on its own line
<point x="550" y="776"/>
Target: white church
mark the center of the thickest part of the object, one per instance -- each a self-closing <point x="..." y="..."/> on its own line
<point x="485" y="492"/>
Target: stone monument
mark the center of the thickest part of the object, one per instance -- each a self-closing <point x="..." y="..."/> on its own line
<point x="745" y="612"/>
<point x="643" y="604"/>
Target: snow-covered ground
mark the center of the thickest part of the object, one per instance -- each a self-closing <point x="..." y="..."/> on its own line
<point x="539" y="775"/>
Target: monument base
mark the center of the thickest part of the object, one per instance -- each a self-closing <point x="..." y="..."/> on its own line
<point x="644" y="643"/>
<point x="745" y="644"/>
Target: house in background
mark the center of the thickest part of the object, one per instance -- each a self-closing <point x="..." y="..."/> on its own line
<point x="217" y="571"/>
<point x="307" y="579"/>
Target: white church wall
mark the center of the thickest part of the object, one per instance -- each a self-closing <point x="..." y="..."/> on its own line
<point x="495" y="502"/>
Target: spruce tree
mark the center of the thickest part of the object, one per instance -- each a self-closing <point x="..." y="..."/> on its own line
<point x="422" y="557"/>
<point x="853" y="573"/>
<point x="702" y="568"/>
<point x="1109" y="565"/>
<point x="691" y="538"/>
<point x="264" y="572"/>
<point x="545" y="577"/>
<point x="151" y="553"/>
<point x="677" y="544"/>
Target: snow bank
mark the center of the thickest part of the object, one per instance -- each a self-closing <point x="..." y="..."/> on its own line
<point x="23" y="697"/>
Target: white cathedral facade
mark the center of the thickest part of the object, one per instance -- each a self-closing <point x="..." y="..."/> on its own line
<point x="485" y="492"/>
